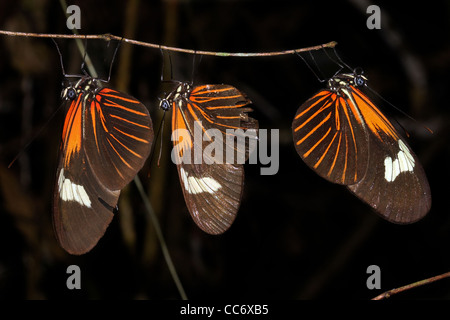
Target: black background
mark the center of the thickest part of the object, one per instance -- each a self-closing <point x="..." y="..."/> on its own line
<point x="296" y="236"/>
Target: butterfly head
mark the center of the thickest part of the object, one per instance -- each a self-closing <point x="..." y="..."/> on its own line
<point x="164" y="104"/>
<point x="180" y="93"/>
<point x="344" y="80"/>
<point x="358" y="77"/>
<point x="71" y="90"/>
<point x="69" y="93"/>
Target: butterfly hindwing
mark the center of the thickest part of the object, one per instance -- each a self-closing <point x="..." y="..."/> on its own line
<point x="82" y="208"/>
<point x="212" y="194"/>
<point x="395" y="184"/>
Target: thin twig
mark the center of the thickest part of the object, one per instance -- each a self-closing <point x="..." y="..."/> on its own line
<point x="391" y="292"/>
<point x="109" y="37"/>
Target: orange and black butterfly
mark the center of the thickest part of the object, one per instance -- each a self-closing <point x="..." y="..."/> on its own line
<point x="345" y="138"/>
<point x="106" y="138"/>
<point x="212" y="189"/>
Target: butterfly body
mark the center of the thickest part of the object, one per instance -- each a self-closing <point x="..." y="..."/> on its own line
<point x="345" y="138"/>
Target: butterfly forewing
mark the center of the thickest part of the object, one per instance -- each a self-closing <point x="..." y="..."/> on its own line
<point x="223" y="107"/>
<point x="120" y="132"/>
<point x="106" y="139"/>
<point x="329" y="137"/>
<point x="212" y="189"/>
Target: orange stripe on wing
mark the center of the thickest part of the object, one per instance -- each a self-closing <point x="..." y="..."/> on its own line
<point x="209" y="93"/>
<point x="314" y="129"/>
<point x="72" y="130"/>
<point x="107" y="92"/>
<point x="373" y="117"/>
<point x="128" y="121"/>
<point x="228" y="117"/>
<point x="336" y="155"/>
<point x="326" y="151"/>
<point x="129" y="150"/>
<point x="238" y="105"/>
<point x="68" y="119"/>
<point x="338" y="103"/>
<point x="201" y="99"/>
<point x="117" y="169"/>
<point x="316" y="144"/>
<point x="305" y="122"/>
<point x="346" y="159"/>
<point x="94" y="123"/>
<point x="130" y="135"/>
<point x="178" y="123"/>
<point x="118" y="154"/>
<point x="108" y="102"/>
<point x="210" y="88"/>
<point x="350" y="123"/>
<point x="205" y="116"/>
<point x="99" y="110"/>
<point x="323" y="93"/>
<point x="116" y="105"/>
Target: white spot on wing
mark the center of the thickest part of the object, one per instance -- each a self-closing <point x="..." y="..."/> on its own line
<point x="404" y="163"/>
<point x="388" y="168"/>
<point x="194" y="185"/>
<point x="69" y="191"/>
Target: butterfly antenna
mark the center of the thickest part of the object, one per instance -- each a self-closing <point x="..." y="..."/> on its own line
<point x="159" y="133"/>
<point x="317" y="66"/>
<point x="60" y="57"/>
<point x="34" y="137"/>
<point x="399" y="110"/>
<point x="170" y="66"/>
<point x="320" y="78"/>
<point x="338" y="60"/>
<point x="83" y="64"/>
<point x="163" y="65"/>
<point x="113" y="58"/>
<point x="195" y="64"/>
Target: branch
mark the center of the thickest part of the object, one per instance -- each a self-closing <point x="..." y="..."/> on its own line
<point x="389" y="293"/>
<point x="109" y="37"/>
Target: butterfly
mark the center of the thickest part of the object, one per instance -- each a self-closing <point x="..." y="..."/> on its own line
<point x="344" y="137"/>
<point x="106" y="139"/>
<point x="212" y="187"/>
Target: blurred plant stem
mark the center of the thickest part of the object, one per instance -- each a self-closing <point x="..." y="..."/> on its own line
<point x="80" y="45"/>
<point x="122" y="83"/>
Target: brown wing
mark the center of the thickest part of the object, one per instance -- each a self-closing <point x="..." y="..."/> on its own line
<point x="119" y="135"/>
<point x="395" y="184"/>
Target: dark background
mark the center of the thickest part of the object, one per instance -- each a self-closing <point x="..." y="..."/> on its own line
<point x="296" y="236"/>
